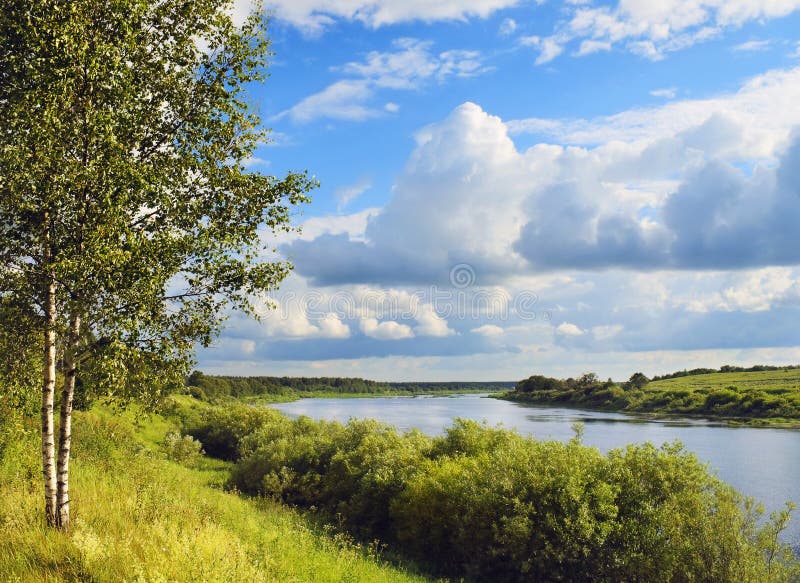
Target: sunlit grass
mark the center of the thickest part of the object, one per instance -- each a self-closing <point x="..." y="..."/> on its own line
<point x="137" y="517"/>
<point x="773" y="381"/>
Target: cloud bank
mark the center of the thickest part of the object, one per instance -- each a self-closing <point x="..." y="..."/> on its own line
<point x="719" y="189"/>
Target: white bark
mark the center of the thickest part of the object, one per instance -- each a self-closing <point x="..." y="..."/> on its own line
<point x="65" y="433"/>
<point x="48" y="392"/>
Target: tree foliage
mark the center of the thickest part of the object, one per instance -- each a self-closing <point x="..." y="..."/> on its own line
<point x="128" y="220"/>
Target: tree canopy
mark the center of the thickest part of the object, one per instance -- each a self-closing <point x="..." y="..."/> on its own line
<point x="129" y="221"/>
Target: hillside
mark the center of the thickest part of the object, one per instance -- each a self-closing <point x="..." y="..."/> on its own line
<point x="140" y="516"/>
<point x="475" y="504"/>
<point x="757" y="397"/>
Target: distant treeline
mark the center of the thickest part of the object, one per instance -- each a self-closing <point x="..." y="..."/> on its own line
<point x="725" y="368"/>
<point x="205" y="387"/>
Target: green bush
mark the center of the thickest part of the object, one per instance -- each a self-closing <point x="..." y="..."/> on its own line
<point x="488" y="504"/>
<point x="182" y="448"/>
<point x="221" y="429"/>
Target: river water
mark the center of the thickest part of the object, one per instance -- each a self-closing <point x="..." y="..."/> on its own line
<point x="759" y="462"/>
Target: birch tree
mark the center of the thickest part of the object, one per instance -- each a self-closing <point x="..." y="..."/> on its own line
<point x="129" y="224"/>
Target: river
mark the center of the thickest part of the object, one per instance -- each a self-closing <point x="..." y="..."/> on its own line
<point x="759" y="462"/>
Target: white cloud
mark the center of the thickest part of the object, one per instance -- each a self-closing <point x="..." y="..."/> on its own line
<point x="313" y="16"/>
<point x="488" y="330"/>
<point x="754" y="291"/>
<point x="429" y="323"/>
<point x="248" y="346"/>
<point x="351" y="226"/>
<point x="549" y="47"/>
<point x="388" y="330"/>
<point x="408" y="67"/>
<point x="763" y="107"/>
<point x="347" y="194"/>
<point x="589" y="47"/>
<point x="344" y="100"/>
<point x="661" y="189"/>
<point x="412" y="63"/>
<point x="652" y="29"/>
<point x="288" y="319"/>
<point x="569" y="329"/>
<point x="289" y="324"/>
<point x="507" y="27"/>
<point x="254" y="161"/>
<point x="753" y="46"/>
<point x="666" y="92"/>
<point x="331" y="326"/>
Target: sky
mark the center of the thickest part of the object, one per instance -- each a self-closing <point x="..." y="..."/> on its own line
<point x="518" y="187"/>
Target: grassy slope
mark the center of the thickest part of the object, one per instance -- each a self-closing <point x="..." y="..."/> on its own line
<point x="773" y="381"/>
<point x="139" y="517"/>
<point x="688" y="396"/>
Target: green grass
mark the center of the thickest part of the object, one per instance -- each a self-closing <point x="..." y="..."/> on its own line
<point x="139" y="517"/>
<point x="774" y="381"/>
<point x="769" y="398"/>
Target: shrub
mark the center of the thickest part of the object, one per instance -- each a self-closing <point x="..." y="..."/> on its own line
<point x="182" y="448"/>
<point x="488" y="504"/>
<point x="221" y="429"/>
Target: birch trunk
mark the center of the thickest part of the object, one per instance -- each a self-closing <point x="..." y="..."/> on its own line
<point x="65" y="433"/>
<point x="48" y="393"/>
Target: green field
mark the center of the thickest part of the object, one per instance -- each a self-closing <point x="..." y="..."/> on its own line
<point x="146" y="512"/>
<point x="773" y="382"/>
<point x="770" y="397"/>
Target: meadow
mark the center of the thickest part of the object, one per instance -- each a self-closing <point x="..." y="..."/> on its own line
<point x="149" y="508"/>
<point x="233" y="492"/>
<point x="760" y="397"/>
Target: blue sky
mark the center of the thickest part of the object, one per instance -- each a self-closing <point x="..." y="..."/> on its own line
<point x="513" y="187"/>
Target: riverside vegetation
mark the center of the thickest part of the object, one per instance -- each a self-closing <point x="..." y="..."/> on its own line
<point x="487" y="504"/>
<point x="759" y="395"/>
<point x="478" y="503"/>
<point x="148" y="507"/>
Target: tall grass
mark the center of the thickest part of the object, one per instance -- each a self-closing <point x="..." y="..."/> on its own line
<point x="141" y="517"/>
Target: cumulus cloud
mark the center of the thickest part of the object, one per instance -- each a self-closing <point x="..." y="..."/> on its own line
<point x="764" y="105"/>
<point x="569" y="329"/>
<point x="407" y="67"/>
<point x="387" y="330"/>
<point x="759" y="290"/>
<point x="331" y="326"/>
<point x="716" y="189"/>
<point x="290" y="320"/>
<point x="448" y="208"/>
<point x="429" y="323"/>
<point x="488" y="330"/>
